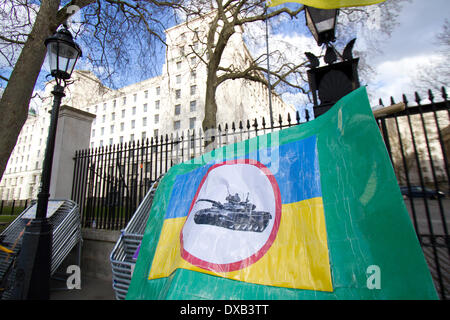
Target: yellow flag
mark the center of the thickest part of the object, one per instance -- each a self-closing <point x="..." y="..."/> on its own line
<point x="326" y="4"/>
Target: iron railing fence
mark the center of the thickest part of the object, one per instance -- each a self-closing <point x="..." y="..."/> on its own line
<point x="110" y="182"/>
<point x="12" y="207"/>
<point x="418" y="143"/>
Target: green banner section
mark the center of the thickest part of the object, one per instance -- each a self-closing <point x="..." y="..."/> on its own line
<point x="373" y="252"/>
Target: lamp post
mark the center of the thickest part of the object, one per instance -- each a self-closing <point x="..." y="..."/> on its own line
<point x="321" y="23"/>
<point x="34" y="261"/>
<point x="329" y="83"/>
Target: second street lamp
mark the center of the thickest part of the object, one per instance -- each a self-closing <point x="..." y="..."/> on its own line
<point x="321" y="23"/>
<point x="34" y="261"/>
<point x="331" y="82"/>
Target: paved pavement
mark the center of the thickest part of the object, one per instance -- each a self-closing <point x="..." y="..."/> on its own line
<point x="91" y="289"/>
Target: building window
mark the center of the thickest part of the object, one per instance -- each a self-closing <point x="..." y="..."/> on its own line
<point x="157" y="104"/>
<point x="176" y="125"/>
<point x="133" y="111"/>
<point x="101" y="143"/>
<point x="192" y="123"/>
<point x="146" y="94"/>
<point x="104" y="107"/>
<point x="145" y="107"/>
<point x="135" y="97"/>
<point x="155" y="132"/>
<point x="193" y="60"/>
<point x="177" y="109"/>
<point x="178" y="65"/>
<point x="93" y="133"/>
<point x="114" y="103"/>
<point x="181" y="51"/>
<point x="131" y="137"/>
<point x="156" y="118"/>
<point x="113" y="116"/>
<point x="193" y="105"/>
<point x="123" y="113"/>
<point x="121" y="139"/>
<point x="178" y="93"/>
<point x="110" y="141"/>
<point x="158" y="91"/>
<point x="124" y="100"/>
<point x="144" y="135"/>
<point x="193" y="89"/>
<point x="133" y="124"/>
<point x="103" y="118"/>
<point x="112" y="129"/>
<point x="193" y="74"/>
<point x="178" y="78"/>
<point x="122" y="126"/>
<point x="144" y="121"/>
<point x="102" y="131"/>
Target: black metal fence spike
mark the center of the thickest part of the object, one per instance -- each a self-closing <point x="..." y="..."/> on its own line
<point x="417" y="97"/>
<point x="248" y="124"/>
<point x="280" y="119"/>
<point x="430" y="95"/>
<point x="444" y="93"/>
<point x="240" y="125"/>
<point x="264" y="122"/>
<point x="380" y="102"/>
<point x="297" y="117"/>
<point x="255" y="123"/>
<point x="405" y="100"/>
<point x="219" y="128"/>
<point x="392" y="100"/>
<point x="289" y="118"/>
<point x="307" y="117"/>
<point x="226" y="126"/>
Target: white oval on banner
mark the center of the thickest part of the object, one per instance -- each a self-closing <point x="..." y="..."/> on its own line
<point x="234" y="217"/>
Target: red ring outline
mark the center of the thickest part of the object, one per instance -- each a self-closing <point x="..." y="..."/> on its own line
<point x="228" y="267"/>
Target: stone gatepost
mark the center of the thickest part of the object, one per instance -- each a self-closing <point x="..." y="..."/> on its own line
<point x="73" y="133"/>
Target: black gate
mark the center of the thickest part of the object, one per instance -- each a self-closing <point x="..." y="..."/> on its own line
<point x="418" y="142"/>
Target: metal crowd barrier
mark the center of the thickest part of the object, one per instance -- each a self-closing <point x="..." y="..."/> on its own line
<point x="63" y="216"/>
<point x="122" y="260"/>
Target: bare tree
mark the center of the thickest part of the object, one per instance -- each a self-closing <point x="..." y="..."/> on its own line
<point x="108" y="27"/>
<point x="436" y="73"/>
<point x="225" y="19"/>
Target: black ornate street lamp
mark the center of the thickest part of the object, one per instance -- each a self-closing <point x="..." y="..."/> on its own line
<point x="321" y="23"/>
<point x="331" y="82"/>
<point x="34" y="261"/>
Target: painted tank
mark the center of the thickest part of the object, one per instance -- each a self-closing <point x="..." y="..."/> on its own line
<point x="234" y="214"/>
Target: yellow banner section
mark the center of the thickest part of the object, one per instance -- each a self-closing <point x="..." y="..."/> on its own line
<point x="298" y="257"/>
<point x="326" y="4"/>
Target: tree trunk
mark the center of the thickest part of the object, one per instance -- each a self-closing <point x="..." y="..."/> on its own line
<point x="210" y="120"/>
<point x="16" y="97"/>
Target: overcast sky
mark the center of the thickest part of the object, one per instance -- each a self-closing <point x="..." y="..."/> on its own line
<point x="412" y="43"/>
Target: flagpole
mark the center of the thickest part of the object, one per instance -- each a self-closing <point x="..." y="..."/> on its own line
<point x="268" y="70"/>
